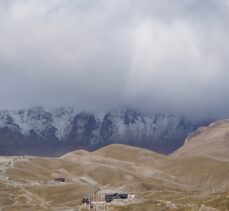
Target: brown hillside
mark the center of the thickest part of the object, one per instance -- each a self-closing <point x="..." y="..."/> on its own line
<point x="211" y="141"/>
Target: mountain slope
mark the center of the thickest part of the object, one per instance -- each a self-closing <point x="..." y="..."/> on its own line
<point x="37" y="131"/>
<point x="132" y="154"/>
<point x="204" y="158"/>
<point x="211" y="141"/>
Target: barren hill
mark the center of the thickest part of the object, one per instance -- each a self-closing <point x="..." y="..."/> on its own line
<point x="211" y="141"/>
<point x="132" y="154"/>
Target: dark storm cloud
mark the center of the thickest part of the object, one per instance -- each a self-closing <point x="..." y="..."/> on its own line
<point x="166" y="56"/>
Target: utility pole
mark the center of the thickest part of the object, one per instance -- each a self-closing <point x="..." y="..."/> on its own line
<point x="89" y="203"/>
<point x="93" y="193"/>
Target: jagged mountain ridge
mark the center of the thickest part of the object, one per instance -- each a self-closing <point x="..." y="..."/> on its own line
<point x="38" y="131"/>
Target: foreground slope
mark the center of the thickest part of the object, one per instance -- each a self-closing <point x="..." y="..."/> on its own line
<point x="159" y="182"/>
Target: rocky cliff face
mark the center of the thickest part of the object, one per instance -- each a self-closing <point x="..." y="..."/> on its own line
<point x="37" y="131"/>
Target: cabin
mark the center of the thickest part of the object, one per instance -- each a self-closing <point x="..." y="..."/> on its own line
<point x="111" y="197"/>
<point x="60" y="179"/>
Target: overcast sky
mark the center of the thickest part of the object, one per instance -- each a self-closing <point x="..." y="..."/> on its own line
<point x="162" y="55"/>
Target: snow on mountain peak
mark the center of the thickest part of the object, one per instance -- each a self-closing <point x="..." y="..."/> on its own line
<point x="37" y="119"/>
<point x="82" y="129"/>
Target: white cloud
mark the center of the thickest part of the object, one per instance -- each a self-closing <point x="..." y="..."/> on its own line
<point x="160" y="55"/>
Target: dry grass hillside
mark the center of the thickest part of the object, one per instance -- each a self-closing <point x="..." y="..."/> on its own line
<point x="195" y="177"/>
<point x="211" y="141"/>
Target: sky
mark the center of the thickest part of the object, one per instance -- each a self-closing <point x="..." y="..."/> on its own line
<point x="159" y="55"/>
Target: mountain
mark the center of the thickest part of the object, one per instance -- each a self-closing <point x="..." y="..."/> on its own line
<point x="38" y="131"/>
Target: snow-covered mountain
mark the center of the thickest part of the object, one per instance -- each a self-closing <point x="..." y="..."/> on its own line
<point x="52" y="132"/>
